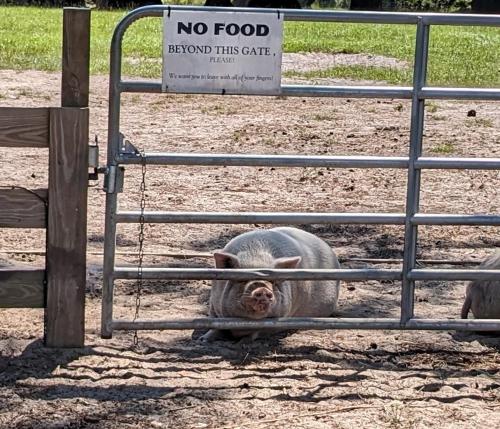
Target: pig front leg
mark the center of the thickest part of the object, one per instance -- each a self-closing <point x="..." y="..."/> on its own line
<point x="211" y="335"/>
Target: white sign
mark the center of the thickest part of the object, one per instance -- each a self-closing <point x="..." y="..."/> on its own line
<point x="222" y="52"/>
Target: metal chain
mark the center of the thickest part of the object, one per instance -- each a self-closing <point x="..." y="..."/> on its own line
<point x="142" y="191"/>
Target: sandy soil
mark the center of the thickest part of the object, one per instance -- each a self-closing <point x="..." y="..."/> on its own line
<point x="313" y="379"/>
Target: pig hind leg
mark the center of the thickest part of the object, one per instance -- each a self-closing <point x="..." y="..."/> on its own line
<point x="466" y="307"/>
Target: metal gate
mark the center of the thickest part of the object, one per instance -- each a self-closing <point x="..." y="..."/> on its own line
<point x="118" y="156"/>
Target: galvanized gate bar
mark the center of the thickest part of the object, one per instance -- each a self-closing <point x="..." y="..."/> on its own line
<point x="415" y="163"/>
<point x="239" y="160"/>
<point x="255" y="274"/>
<point x="327" y="16"/>
<point x="460" y="93"/>
<point x="305" y="218"/>
<point x="460" y="19"/>
<point x="354" y="91"/>
<point x="299" y="90"/>
<point x="307" y="323"/>
<point x="430" y="274"/>
<point x="452" y="219"/>
<point x="268" y="218"/>
<point x="457" y="163"/>
<point x="280" y="323"/>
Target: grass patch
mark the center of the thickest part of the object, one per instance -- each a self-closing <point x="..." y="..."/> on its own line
<point x="395" y="41"/>
<point x="445" y="148"/>
<point x="479" y="123"/>
<point x="431" y="107"/>
<point x="136" y="98"/>
<point x="458" y="56"/>
<point x="323" y="117"/>
<point x="219" y="109"/>
<point x="239" y="135"/>
<point x="30" y="38"/>
<point x="389" y="75"/>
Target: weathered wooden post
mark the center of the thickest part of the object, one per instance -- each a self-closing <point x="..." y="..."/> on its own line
<point x="68" y="180"/>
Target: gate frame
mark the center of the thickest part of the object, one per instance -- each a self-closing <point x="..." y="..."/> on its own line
<point x="119" y="155"/>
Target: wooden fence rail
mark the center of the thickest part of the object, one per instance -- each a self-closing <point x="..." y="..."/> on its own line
<point x="62" y="208"/>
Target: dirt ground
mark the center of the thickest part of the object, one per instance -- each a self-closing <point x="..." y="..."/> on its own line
<point x="308" y="379"/>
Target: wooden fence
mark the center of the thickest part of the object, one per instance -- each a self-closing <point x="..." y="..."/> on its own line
<point x="62" y="208"/>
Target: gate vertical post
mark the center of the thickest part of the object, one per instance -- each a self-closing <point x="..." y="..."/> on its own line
<point x="414" y="174"/>
<point x="68" y="183"/>
<point x="111" y="191"/>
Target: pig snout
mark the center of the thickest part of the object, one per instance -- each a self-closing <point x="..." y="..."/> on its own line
<point x="258" y="299"/>
<point x="261" y="299"/>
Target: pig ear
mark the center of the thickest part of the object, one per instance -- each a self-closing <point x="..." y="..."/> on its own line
<point x="226" y="260"/>
<point x="292" y="262"/>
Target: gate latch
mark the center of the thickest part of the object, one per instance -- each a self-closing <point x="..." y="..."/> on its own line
<point x="94" y="161"/>
<point x="113" y="174"/>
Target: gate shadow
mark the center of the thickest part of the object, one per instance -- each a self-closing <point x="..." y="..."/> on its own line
<point x="265" y="359"/>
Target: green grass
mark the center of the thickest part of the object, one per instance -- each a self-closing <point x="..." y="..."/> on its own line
<point x="444" y="148"/>
<point x="389" y="75"/>
<point x="431" y="107"/>
<point x="459" y="56"/>
<point x="30" y="38"/>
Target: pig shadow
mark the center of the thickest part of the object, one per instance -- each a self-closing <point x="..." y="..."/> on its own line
<point x="487" y="339"/>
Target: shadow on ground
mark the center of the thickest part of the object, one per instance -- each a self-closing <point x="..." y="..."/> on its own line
<point x="104" y="377"/>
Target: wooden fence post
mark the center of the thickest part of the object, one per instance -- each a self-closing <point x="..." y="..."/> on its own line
<point x="75" y="58"/>
<point x="68" y="181"/>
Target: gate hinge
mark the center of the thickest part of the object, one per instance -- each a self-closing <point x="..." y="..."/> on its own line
<point x="113" y="179"/>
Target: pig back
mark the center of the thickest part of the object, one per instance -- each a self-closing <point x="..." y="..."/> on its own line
<point x="484" y="295"/>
